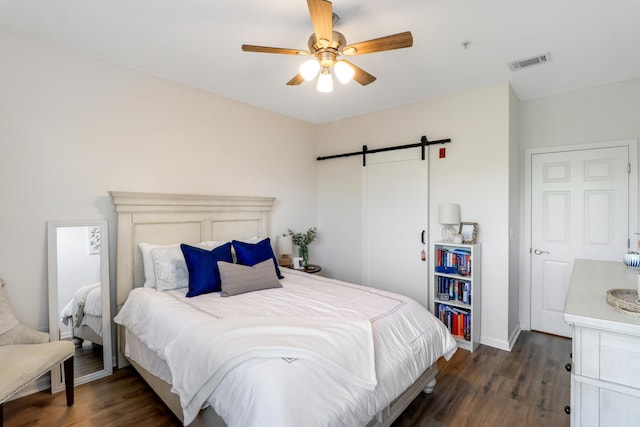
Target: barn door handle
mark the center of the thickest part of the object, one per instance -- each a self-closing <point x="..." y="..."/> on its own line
<point x="539" y="252"/>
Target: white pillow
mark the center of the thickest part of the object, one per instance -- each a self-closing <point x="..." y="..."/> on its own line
<point x="212" y="244"/>
<point x="254" y="239"/>
<point x="148" y="263"/>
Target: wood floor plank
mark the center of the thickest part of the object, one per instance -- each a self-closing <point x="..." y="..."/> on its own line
<point x="525" y="387"/>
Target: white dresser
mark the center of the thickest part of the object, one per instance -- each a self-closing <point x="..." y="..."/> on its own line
<point x="605" y="375"/>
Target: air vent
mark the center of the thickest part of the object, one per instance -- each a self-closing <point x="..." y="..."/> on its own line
<point x="528" y="62"/>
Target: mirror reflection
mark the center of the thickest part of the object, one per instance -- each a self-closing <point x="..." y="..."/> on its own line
<point x="79" y="296"/>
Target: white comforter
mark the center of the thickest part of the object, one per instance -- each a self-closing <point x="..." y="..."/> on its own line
<point x="86" y="300"/>
<point x="300" y="355"/>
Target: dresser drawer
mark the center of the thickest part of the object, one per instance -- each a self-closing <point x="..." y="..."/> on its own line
<point x="607" y="356"/>
<point x="594" y="405"/>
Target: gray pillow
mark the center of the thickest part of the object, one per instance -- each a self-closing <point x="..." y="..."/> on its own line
<point x="8" y="320"/>
<point x="238" y="279"/>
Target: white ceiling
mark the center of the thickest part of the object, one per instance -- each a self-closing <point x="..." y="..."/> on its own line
<point x="197" y="42"/>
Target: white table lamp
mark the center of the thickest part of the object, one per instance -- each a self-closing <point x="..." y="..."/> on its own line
<point x="448" y="215"/>
<point x="285" y="248"/>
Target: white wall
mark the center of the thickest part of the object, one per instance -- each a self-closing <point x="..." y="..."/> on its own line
<point x="602" y="113"/>
<point x="73" y="127"/>
<point x="475" y="174"/>
<point x="598" y="114"/>
<point x="514" y="217"/>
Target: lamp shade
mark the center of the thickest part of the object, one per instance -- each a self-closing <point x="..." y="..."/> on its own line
<point x="310" y="69"/>
<point x="344" y="71"/>
<point x="325" y="82"/>
<point x="285" y="245"/>
<point x="449" y="213"/>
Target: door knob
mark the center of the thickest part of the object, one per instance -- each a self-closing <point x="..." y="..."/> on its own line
<point x="539" y="252"/>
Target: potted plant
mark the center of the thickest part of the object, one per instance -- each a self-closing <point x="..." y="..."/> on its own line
<point x="302" y="240"/>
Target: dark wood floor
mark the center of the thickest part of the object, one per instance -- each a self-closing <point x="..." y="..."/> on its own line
<point x="528" y="386"/>
<point x="87" y="359"/>
<point x="525" y="387"/>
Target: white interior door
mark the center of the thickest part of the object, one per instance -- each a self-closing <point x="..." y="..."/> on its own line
<point x="394" y="216"/>
<point x="579" y="209"/>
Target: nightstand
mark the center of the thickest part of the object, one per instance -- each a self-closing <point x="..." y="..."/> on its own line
<point x="312" y="269"/>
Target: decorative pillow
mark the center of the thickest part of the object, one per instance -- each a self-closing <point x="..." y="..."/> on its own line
<point x="170" y="268"/>
<point x="238" y="279"/>
<point x="204" y="276"/>
<point x="250" y="254"/>
<point x="148" y="263"/>
<point x="8" y="320"/>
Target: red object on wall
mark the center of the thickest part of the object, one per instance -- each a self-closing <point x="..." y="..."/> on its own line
<point x="443" y="152"/>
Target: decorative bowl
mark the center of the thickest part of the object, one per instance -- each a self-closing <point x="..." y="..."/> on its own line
<point x="631" y="259"/>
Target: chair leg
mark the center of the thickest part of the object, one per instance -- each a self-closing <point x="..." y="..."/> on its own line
<point x="68" y="380"/>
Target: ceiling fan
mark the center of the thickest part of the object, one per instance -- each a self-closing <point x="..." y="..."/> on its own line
<point x="326" y="46"/>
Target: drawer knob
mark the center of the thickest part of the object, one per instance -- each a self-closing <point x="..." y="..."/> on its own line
<point x="568" y="367"/>
<point x="567" y="409"/>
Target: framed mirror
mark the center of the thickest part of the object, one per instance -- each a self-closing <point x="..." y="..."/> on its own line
<point x="79" y="303"/>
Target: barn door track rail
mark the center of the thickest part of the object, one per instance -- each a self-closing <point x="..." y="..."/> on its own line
<point x="422" y="144"/>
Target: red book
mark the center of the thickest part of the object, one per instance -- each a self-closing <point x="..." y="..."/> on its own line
<point x="454" y="328"/>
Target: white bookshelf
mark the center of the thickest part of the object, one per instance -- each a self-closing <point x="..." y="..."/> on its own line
<point x="452" y="279"/>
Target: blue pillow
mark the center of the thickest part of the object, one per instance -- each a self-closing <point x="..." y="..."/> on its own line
<point x="204" y="276"/>
<point x="250" y="254"/>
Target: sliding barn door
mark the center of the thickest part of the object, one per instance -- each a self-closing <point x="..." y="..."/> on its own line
<point x="395" y="195"/>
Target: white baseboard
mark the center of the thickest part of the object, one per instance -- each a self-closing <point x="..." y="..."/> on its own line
<point x="501" y="344"/>
<point x="492" y="342"/>
<point x="514" y="337"/>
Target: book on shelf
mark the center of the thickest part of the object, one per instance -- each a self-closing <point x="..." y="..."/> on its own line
<point x="457" y="320"/>
<point x="452" y="289"/>
<point x="453" y="261"/>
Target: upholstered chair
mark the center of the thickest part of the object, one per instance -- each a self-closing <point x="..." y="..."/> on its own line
<point x="27" y="354"/>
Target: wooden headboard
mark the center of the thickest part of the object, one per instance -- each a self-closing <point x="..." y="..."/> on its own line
<point x="179" y="218"/>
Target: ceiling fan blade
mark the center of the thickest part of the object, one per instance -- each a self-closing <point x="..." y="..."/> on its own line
<point x="322" y="19"/>
<point x="395" y="41"/>
<point x="360" y="75"/>
<point x="280" y="50"/>
<point x="296" y="80"/>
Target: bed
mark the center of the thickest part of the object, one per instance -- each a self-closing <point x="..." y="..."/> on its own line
<point x="83" y="313"/>
<point x="359" y="356"/>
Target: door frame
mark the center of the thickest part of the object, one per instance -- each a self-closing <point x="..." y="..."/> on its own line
<point x="525" y="250"/>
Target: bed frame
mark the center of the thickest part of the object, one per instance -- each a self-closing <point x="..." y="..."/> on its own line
<point x="170" y="218"/>
<point x="85" y="333"/>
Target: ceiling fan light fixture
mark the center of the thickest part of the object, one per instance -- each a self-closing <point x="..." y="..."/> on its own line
<point x="344" y="72"/>
<point x="310" y="69"/>
<point x="325" y="82"/>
